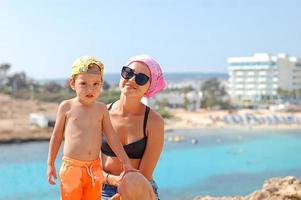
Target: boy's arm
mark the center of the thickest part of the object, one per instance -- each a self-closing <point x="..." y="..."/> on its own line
<point x="113" y="140"/>
<point x="56" y="140"/>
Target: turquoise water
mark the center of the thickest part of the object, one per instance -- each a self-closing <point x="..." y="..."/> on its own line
<point x="224" y="162"/>
<point x="227" y="162"/>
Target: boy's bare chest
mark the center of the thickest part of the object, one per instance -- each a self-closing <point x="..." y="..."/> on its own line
<point x="85" y="118"/>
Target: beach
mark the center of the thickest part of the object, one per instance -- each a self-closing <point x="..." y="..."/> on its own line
<point x="15" y="121"/>
<point x="243" y="118"/>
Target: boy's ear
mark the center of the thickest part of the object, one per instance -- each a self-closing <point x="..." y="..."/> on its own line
<point x="71" y="83"/>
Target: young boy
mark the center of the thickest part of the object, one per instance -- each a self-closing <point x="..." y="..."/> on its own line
<point x="80" y="121"/>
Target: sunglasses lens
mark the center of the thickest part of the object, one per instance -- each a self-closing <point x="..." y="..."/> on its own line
<point x="127" y="73"/>
<point x="141" y="79"/>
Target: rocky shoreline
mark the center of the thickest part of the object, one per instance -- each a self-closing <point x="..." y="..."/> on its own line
<point x="286" y="188"/>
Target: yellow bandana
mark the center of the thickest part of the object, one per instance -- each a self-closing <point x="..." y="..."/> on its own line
<point x="81" y="65"/>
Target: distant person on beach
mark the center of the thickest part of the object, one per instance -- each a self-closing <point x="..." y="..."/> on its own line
<point x="139" y="128"/>
<point x="81" y="121"/>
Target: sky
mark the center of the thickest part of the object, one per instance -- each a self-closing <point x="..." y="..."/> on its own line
<point x="43" y="38"/>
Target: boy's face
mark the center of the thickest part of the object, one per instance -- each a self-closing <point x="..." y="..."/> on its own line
<point x="87" y="87"/>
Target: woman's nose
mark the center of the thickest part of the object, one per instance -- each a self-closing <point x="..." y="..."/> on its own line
<point x="132" y="79"/>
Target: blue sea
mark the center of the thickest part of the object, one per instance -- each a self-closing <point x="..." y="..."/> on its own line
<point x="223" y="162"/>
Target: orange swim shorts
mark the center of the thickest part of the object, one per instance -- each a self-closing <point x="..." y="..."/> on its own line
<point x="80" y="180"/>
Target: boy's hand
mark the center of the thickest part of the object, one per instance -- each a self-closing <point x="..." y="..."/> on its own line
<point x="116" y="197"/>
<point x="51" y="172"/>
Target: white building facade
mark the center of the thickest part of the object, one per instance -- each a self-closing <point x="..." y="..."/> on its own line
<point x="258" y="77"/>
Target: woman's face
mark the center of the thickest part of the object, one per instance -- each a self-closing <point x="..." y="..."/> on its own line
<point x="129" y="87"/>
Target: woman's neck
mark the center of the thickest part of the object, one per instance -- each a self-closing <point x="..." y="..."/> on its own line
<point x="130" y="105"/>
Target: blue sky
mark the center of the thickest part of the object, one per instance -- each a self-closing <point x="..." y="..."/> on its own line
<point x="42" y="38"/>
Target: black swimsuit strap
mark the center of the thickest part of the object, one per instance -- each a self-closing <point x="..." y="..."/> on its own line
<point x="111" y="105"/>
<point x="145" y="119"/>
<point x="147" y="109"/>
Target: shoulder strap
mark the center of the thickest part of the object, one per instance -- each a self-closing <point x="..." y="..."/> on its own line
<point x="145" y="119"/>
<point x="111" y="105"/>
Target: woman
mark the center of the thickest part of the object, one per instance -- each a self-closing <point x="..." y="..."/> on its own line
<point x="139" y="128"/>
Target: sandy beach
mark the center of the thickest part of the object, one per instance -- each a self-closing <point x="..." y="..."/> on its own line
<point x="15" y="119"/>
<point x="244" y="118"/>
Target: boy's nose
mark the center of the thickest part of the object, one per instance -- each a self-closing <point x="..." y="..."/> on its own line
<point x="90" y="88"/>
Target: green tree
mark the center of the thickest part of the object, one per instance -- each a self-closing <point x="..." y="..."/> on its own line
<point x="18" y="81"/>
<point x="19" y="85"/>
<point x="4" y="67"/>
<point x="3" y="77"/>
<point x="299" y="93"/>
<point x="163" y="103"/>
<point x="164" y="113"/>
<point x="186" y="89"/>
<point x="3" y="72"/>
<point x="109" y="96"/>
<point x="214" y="94"/>
<point x="52" y="87"/>
<point x="288" y="94"/>
<point x="105" y="85"/>
<point x="186" y="102"/>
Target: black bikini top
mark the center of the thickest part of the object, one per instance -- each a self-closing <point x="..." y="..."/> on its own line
<point x="134" y="150"/>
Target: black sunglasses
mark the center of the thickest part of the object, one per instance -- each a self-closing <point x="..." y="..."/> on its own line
<point x="140" y="78"/>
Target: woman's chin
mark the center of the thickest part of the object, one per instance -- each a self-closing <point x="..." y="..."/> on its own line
<point x="129" y="93"/>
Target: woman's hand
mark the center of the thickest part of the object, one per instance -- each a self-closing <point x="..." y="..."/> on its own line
<point x="127" y="167"/>
<point x="112" y="179"/>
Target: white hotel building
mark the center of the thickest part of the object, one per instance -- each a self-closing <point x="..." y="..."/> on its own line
<point x="257" y="78"/>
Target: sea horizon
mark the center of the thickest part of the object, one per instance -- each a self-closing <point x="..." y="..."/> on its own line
<point x="113" y="78"/>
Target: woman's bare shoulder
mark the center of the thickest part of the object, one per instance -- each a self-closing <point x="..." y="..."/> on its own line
<point x="155" y="116"/>
<point x="155" y="119"/>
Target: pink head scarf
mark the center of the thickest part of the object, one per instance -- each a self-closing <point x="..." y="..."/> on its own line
<point x="157" y="81"/>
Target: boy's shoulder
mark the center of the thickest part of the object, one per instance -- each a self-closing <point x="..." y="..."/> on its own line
<point x="101" y="105"/>
<point x="65" y="105"/>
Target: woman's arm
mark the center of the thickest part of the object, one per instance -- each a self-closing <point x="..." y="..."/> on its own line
<point x="155" y="140"/>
